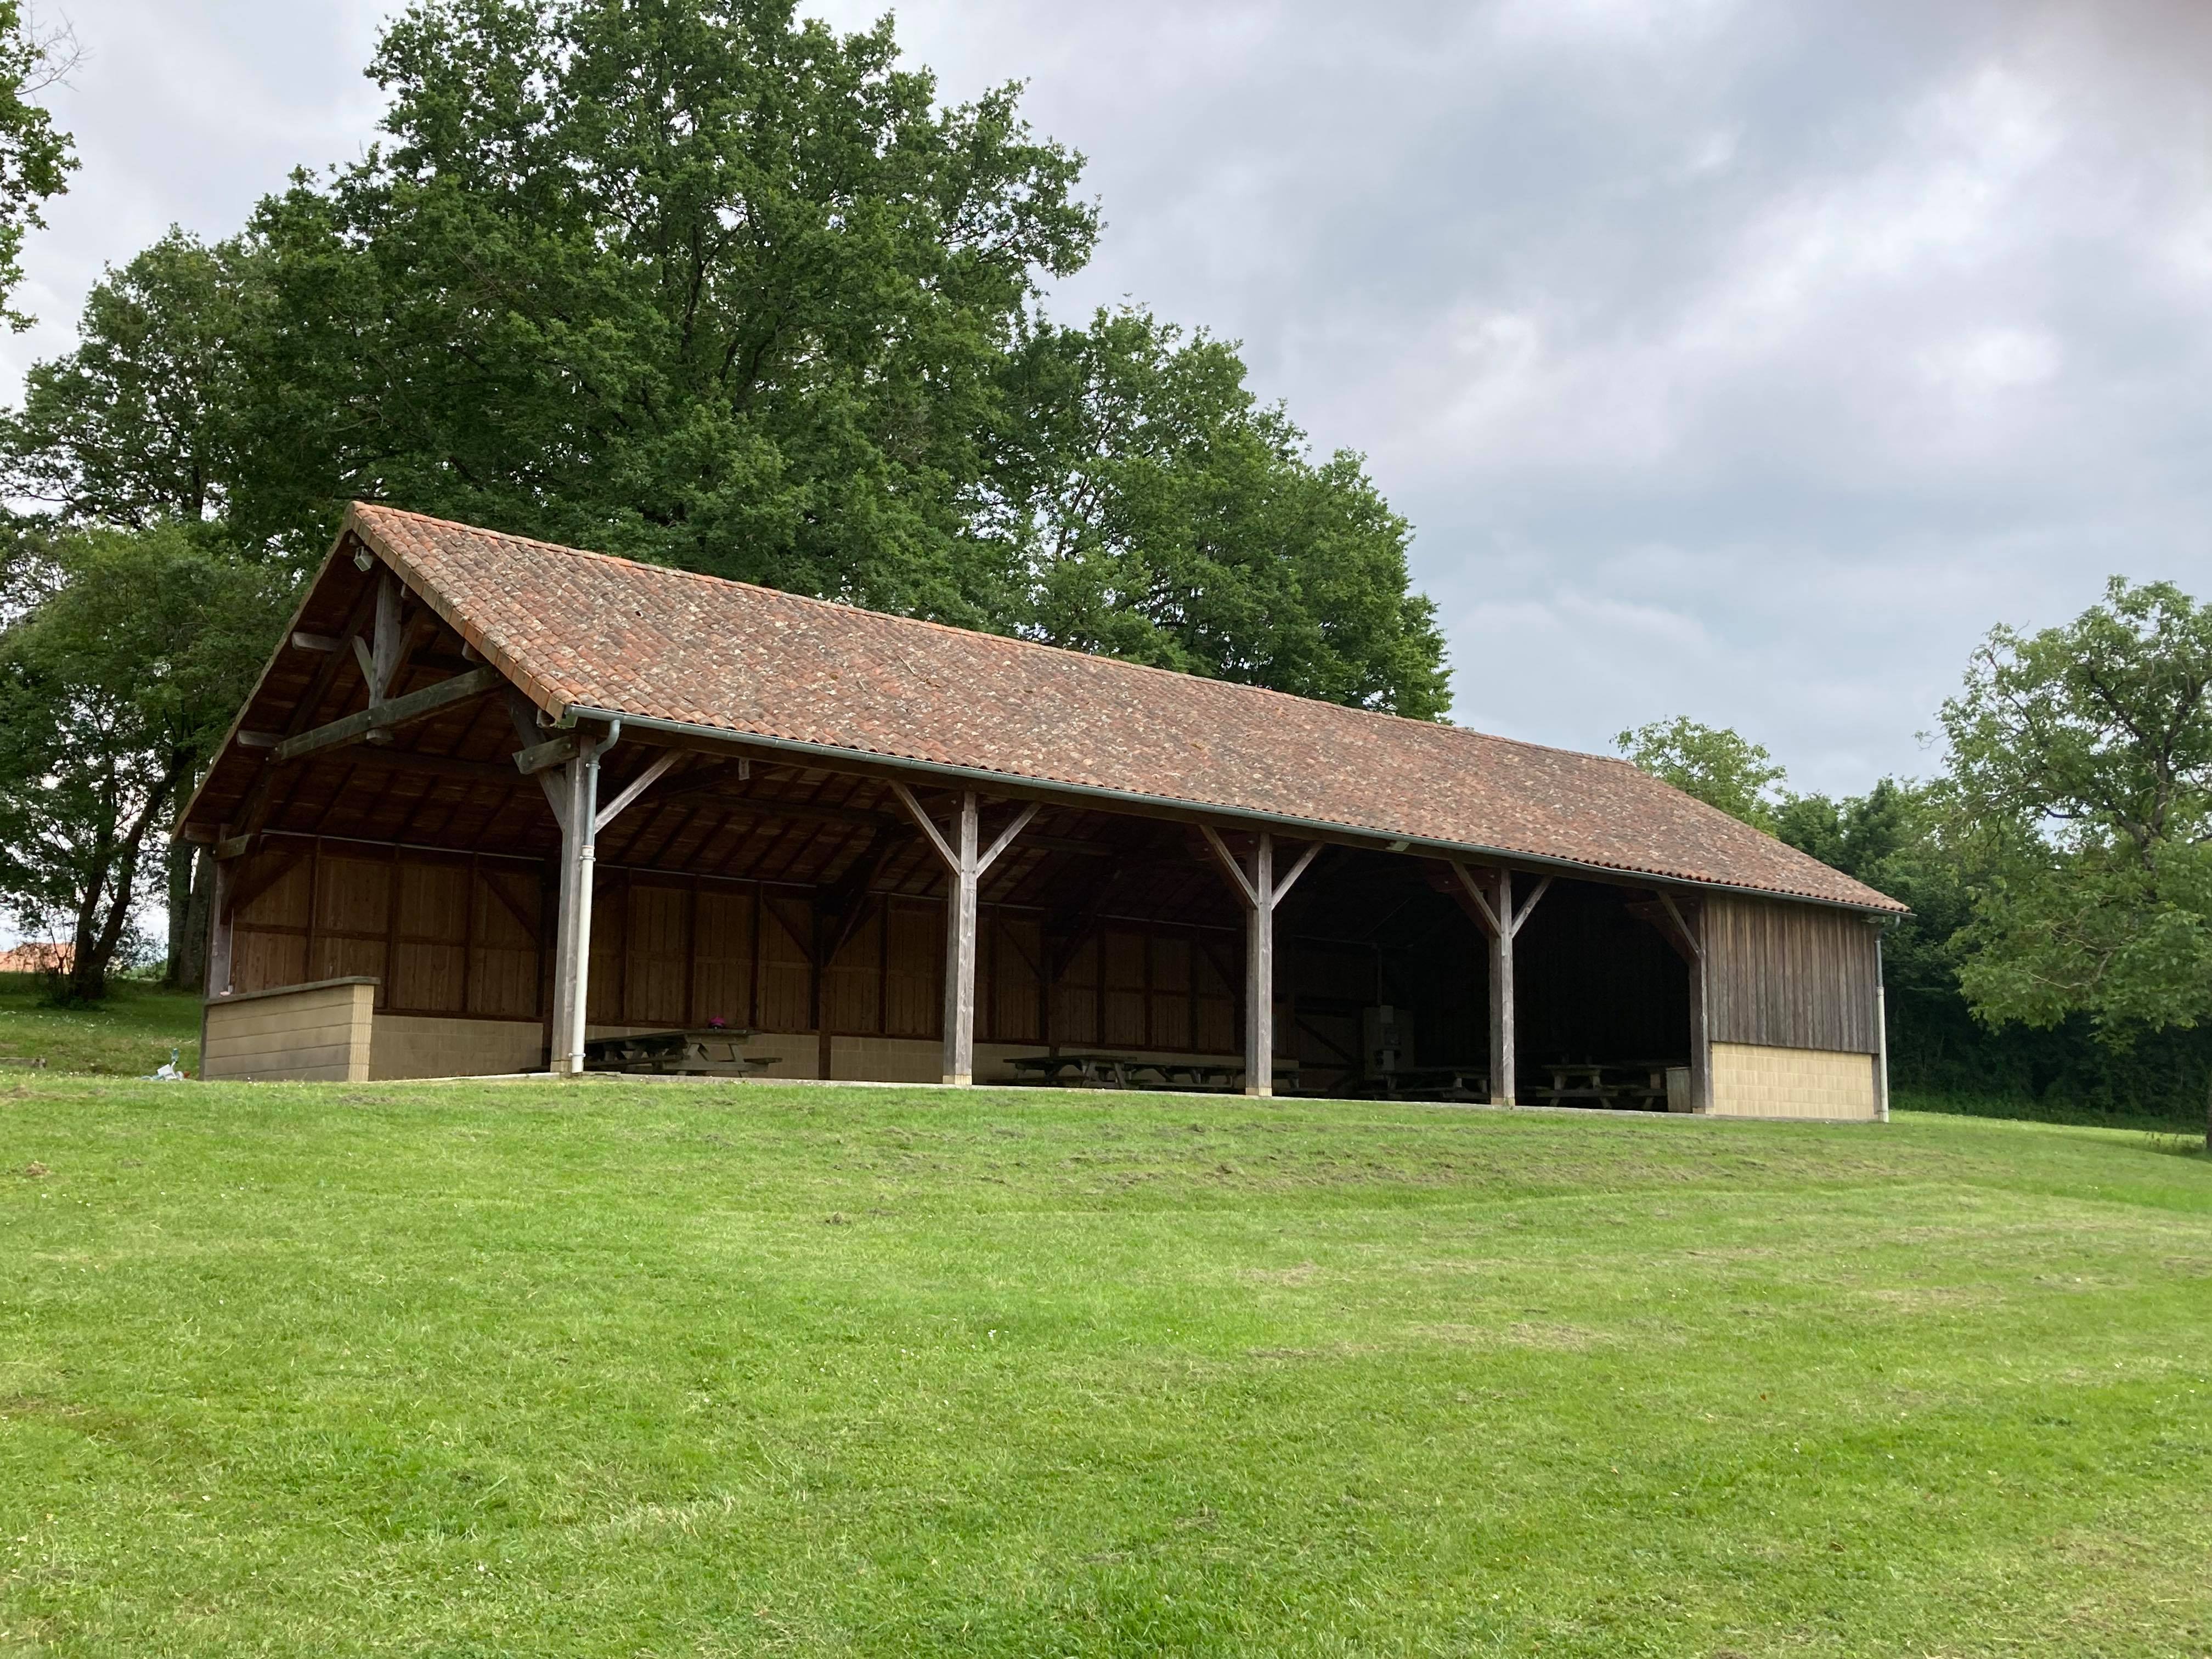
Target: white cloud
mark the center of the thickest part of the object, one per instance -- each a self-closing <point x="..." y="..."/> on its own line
<point x="1992" y="360"/>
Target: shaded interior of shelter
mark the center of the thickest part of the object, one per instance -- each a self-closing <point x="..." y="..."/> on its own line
<point x="798" y="901"/>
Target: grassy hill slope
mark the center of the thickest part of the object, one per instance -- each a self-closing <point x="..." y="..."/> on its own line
<point x="636" y="1369"/>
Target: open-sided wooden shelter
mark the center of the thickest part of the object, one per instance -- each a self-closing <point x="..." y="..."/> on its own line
<point x="493" y="799"/>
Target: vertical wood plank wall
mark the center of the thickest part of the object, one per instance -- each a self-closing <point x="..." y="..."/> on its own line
<point x="444" y="935"/>
<point x="441" y="933"/>
<point x="1790" y="976"/>
<point x="460" y="936"/>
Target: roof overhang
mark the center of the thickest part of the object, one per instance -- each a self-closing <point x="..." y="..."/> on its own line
<point x="1169" y="806"/>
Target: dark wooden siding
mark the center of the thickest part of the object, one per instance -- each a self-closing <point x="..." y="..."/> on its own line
<point x="451" y="934"/>
<point x="1789" y="975"/>
<point x="445" y="933"/>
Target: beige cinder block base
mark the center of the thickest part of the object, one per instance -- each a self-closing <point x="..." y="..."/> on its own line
<point x="301" y="1033"/>
<point x="1752" y="1081"/>
<point x="420" y="1045"/>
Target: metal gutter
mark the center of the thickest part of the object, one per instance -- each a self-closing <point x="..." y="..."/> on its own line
<point x="1385" y="841"/>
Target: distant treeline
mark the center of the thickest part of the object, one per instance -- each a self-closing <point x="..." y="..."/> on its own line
<point x="2059" y="865"/>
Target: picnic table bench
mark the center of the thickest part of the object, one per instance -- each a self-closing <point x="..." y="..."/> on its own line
<point x="1636" y="1085"/>
<point x="1087" y="1071"/>
<point x="1437" y="1082"/>
<point x="705" y="1051"/>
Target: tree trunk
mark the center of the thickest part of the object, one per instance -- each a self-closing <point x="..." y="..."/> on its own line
<point x="192" y="974"/>
<point x="86" y="979"/>
<point x="181" y="866"/>
<point x="88" y="972"/>
<point x="116" y="876"/>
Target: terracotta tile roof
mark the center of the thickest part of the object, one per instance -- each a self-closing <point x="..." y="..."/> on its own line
<point x="587" y="630"/>
<point x="30" y="958"/>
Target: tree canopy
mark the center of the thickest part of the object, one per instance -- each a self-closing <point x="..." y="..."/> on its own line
<point x="2083" y="757"/>
<point x="141" y="423"/>
<point x="690" y="281"/>
<point x="129" y="655"/>
<point x="702" y="283"/>
<point x="1154" y="509"/>
<point x="1716" y="764"/>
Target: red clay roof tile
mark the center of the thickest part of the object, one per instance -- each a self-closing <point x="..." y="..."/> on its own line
<point x="588" y="630"/>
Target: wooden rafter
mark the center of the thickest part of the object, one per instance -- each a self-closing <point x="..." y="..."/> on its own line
<point x="390" y="714"/>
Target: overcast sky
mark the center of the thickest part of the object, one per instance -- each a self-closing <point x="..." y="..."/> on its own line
<point x="1732" y="358"/>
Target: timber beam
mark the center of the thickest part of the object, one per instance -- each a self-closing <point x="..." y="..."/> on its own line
<point x="543" y="756"/>
<point x="392" y="714"/>
<point x="443" y="766"/>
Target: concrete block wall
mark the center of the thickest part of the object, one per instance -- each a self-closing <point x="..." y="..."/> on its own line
<point x="318" y="1032"/>
<point x="423" y="1045"/>
<point x="1751" y="1080"/>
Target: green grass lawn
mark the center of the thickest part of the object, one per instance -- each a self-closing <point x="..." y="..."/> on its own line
<point x="129" y="1033"/>
<point x="678" y="1369"/>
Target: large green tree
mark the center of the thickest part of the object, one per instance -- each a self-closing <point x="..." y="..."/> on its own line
<point x="128" y="654"/>
<point x="140" y="423"/>
<point x="2081" y="756"/>
<point x="689" y="280"/>
<point x="1901" y="838"/>
<point x="139" y="426"/>
<point x="701" y="282"/>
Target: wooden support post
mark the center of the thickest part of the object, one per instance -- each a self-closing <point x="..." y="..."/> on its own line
<point x="1261" y="893"/>
<point x="960" y="945"/>
<point x="572" y="948"/>
<point x="1502" y="921"/>
<point x="1701" y="1037"/>
<point x="218" y="949"/>
<point x="582" y="818"/>
<point x="1260" y="975"/>
<point x="1881" y="1040"/>
<point x="964" y="867"/>
<point x="1701" y="1044"/>
<point x="1504" y="1051"/>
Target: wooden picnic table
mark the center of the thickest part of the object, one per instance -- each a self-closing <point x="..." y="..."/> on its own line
<point x="702" y="1051"/>
<point x="1608" y="1083"/>
<point x="1195" y="1074"/>
<point x="1077" y="1071"/>
<point x="1437" y="1082"/>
